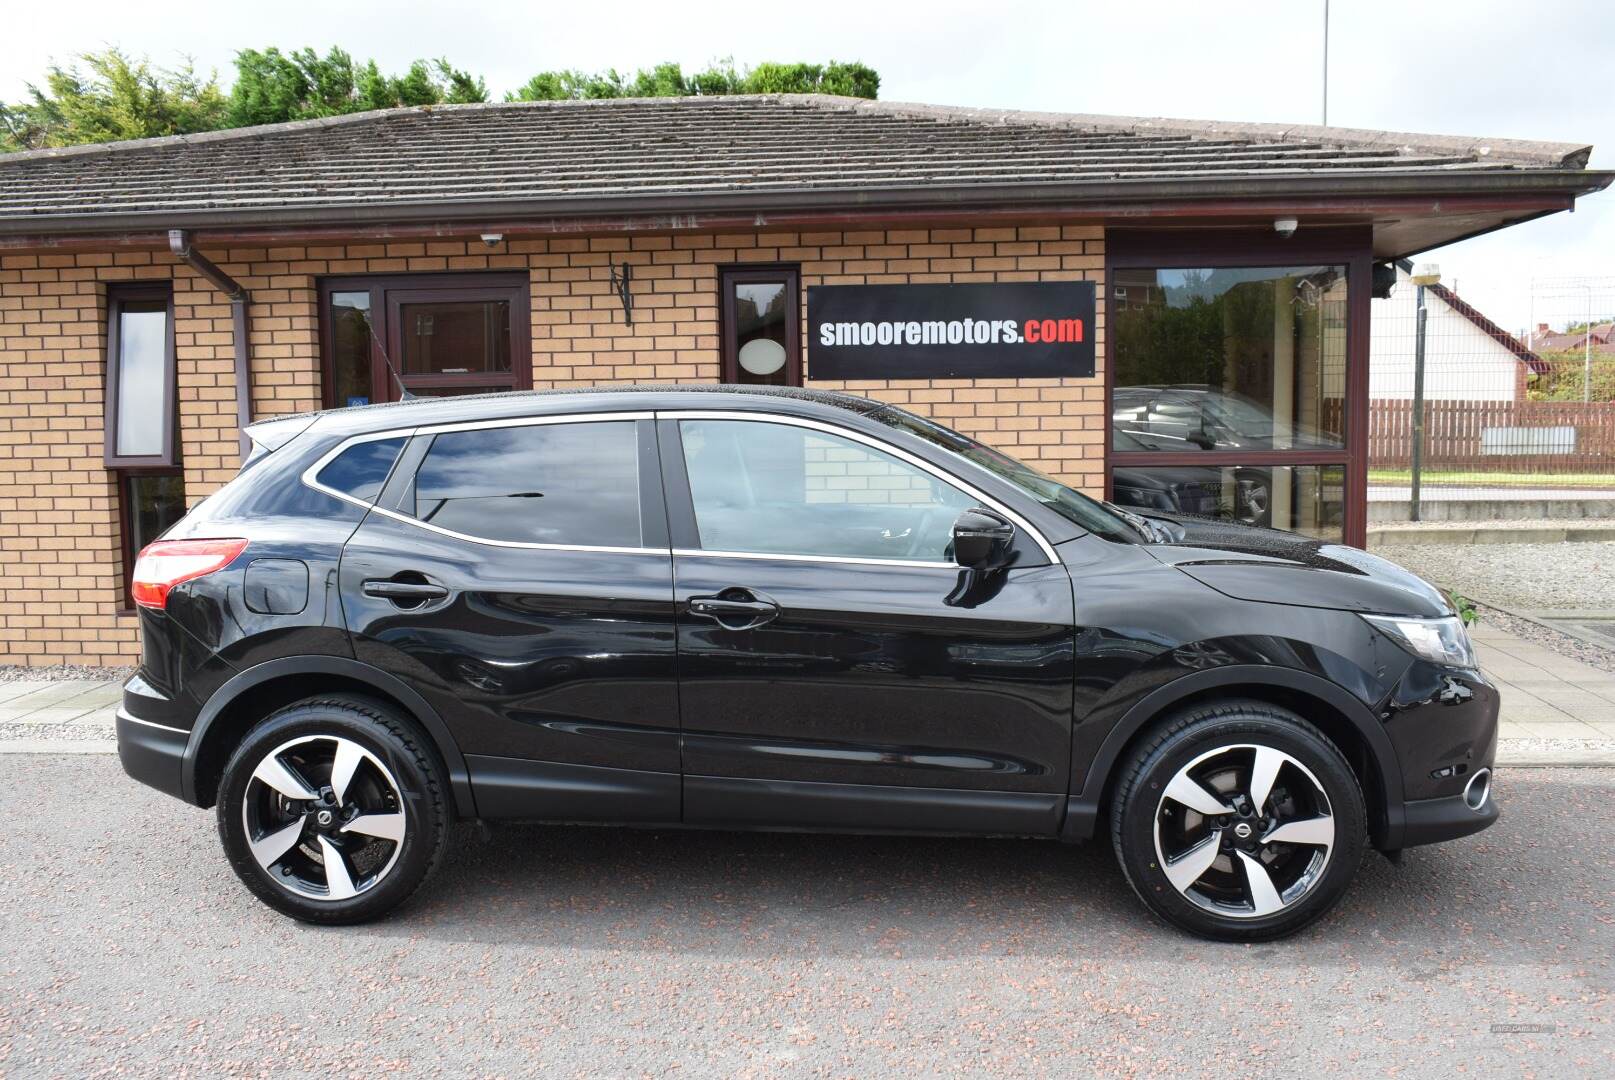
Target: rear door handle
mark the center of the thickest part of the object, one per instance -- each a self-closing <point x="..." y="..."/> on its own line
<point x="734" y="612"/>
<point x="404" y="590"/>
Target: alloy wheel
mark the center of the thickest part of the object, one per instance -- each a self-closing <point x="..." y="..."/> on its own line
<point x="1244" y="831"/>
<point x="324" y="817"/>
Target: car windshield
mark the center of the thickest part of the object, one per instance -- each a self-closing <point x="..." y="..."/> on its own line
<point x="1069" y="503"/>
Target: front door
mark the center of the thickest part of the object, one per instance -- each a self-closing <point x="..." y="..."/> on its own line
<point x="833" y="672"/>
<point x="517" y="574"/>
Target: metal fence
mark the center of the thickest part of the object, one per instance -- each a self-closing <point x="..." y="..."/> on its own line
<point x="1518" y="402"/>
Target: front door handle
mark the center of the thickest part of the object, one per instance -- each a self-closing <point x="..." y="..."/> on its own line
<point x="737" y="609"/>
<point x="404" y="590"/>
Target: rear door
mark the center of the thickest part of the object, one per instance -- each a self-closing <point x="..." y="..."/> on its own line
<point x="837" y="669"/>
<point x="517" y="574"/>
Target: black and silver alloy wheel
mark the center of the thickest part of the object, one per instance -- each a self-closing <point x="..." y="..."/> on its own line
<point x="333" y="810"/>
<point x="1244" y="831"/>
<point x="324" y="817"/>
<point x="1239" y="821"/>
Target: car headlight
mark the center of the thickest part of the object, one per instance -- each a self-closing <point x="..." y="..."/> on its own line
<point x="1440" y="641"/>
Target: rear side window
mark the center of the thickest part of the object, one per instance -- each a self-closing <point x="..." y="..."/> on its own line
<point x="361" y="469"/>
<point x="574" y="484"/>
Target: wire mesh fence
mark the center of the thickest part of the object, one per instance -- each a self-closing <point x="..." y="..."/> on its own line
<point x="1510" y="413"/>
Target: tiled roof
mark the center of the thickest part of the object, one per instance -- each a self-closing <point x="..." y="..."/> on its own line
<point x="602" y="154"/>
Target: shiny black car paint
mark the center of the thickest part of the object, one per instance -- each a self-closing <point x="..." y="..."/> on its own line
<point x="582" y="684"/>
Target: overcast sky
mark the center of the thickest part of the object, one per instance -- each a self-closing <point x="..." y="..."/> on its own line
<point x="1496" y="68"/>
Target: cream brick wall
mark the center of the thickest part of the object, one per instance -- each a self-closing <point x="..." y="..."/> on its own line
<point x="61" y="576"/>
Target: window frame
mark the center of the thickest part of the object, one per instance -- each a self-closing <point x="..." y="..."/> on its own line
<point x="728" y="320"/>
<point x="1348" y="247"/>
<point x="169" y="458"/>
<point x="514" y="287"/>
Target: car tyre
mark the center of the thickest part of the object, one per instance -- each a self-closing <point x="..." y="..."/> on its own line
<point x="1238" y="821"/>
<point x="333" y="810"/>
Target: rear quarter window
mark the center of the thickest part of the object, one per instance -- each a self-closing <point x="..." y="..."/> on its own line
<point x="361" y="470"/>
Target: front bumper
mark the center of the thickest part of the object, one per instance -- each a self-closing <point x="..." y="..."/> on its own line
<point x="1443" y="724"/>
<point x="1430" y="821"/>
<point x="152" y="753"/>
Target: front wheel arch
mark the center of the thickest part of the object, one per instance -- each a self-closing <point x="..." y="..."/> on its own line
<point x="1347" y="722"/>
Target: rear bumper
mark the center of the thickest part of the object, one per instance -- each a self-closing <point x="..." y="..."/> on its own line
<point x="152" y="753"/>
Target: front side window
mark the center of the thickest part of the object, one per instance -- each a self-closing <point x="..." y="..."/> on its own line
<point x="778" y="489"/>
<point x="571" y="484"/>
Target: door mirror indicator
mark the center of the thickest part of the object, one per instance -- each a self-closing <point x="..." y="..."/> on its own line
<point x="981" y="539"/>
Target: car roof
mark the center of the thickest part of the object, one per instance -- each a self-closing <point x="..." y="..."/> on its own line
<point x="624" y="397"/>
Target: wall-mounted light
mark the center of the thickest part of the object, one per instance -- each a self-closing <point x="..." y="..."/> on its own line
<point x="493" y="239"/>
<point x="1286" y="226"/>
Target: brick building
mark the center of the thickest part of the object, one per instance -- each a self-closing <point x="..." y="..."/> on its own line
<point x="155" y="295"/>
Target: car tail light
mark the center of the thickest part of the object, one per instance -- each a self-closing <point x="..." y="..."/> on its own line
<point x="168" y="563"/>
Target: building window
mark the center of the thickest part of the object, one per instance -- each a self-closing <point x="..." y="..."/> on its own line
<point x="142" y="447"/>
<point x="433" y="334"/>
<point x="762" y="342"/>
<point x="1229" y="395"/>
<point x="140" y="379"/>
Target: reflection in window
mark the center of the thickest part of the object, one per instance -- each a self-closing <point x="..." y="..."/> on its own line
<point x="1229" y="359"/>
<point x="1307" y="499"/>
<point x="572" y="484"/>
<point x="780" y="489"/>
<point x="361" y="469"/>
<point x="152" y="503"/>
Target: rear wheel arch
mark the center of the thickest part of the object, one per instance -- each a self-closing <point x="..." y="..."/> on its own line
<point x="1343" y="719"/>
<point x="261" y="691"/>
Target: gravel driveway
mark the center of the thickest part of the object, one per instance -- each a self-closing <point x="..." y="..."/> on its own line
<point x="1525" y="577"/>
<point x="125" y="945"/>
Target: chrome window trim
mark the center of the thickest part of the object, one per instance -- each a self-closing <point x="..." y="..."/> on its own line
<point x="313" y="471"/>
<point x="878" y="444"/>
<point x="840" y="560"/>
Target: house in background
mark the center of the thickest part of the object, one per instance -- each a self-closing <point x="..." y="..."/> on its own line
<point x="1467" y="357"/>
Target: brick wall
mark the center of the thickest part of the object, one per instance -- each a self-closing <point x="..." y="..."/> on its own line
<point x="60" y="564"/>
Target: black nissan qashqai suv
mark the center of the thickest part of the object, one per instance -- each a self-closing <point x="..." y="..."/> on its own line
<point x="706" y="606"/>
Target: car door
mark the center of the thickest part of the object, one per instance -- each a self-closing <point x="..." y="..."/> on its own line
<point x="517" y="574"/>
<point x="836" y="668"/>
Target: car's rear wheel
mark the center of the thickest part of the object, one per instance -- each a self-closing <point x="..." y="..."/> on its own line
<point x="1239" y="821"/>
<point x="332" y="810"/>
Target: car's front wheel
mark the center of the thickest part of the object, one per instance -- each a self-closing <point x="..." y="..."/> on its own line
<point x="1239" y="821"/>
<point x="333" y="810"/>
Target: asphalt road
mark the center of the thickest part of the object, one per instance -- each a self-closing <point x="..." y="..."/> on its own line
<point x="126" y="946"/>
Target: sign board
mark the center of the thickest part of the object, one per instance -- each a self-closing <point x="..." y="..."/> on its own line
<point x="1009" y="330"/>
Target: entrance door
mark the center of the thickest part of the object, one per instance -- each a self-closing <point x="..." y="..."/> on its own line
<point x="433" y="335"/>
<point x="832" y="673"/>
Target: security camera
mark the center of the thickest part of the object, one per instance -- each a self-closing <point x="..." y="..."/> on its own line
<point x="1285" y="226"/>
<point x="493" y="239"/>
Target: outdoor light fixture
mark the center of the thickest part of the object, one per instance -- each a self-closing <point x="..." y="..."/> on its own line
<point x="493" y="239"/>
<point x="1427" y="274"/>
<point x="1285" y="226"/>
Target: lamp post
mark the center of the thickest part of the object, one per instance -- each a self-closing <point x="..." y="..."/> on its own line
<point x="1423" y="275"/>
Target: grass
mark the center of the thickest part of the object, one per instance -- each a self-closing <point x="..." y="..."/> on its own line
<point x="1493" y="479"/>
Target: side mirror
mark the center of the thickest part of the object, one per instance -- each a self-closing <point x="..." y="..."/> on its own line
<point x="981" y="539"/>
